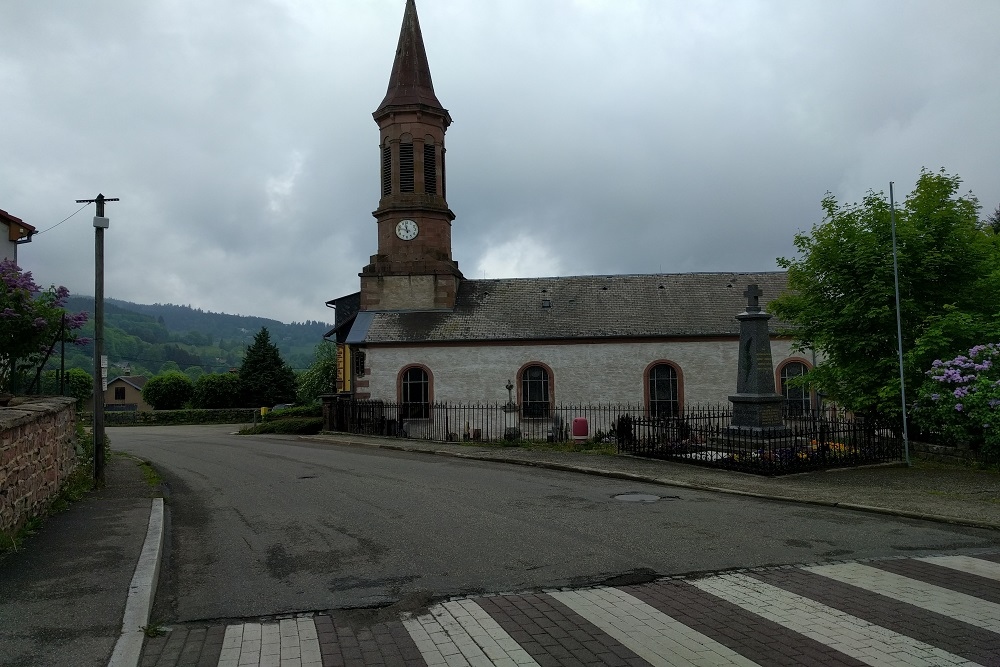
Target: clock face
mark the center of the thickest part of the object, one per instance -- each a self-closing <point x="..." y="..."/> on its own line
<point x="407" y="230"/>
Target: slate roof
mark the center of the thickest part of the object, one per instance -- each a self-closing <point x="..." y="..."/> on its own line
<point x="580" y="307"/>
<point x="137" y="381"/>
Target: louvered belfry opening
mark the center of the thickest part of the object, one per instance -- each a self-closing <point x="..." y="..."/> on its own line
<point x="406" y="167"/>
<point x="430" y="169"/>
<point x="386" y="171"/>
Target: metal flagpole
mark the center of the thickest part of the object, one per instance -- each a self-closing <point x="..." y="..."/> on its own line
<point x="899" y="325"/>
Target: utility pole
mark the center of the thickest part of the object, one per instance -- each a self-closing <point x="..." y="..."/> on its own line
<point x="100" y="224"/>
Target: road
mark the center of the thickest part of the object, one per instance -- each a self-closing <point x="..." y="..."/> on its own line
<point x="265" y="525"/>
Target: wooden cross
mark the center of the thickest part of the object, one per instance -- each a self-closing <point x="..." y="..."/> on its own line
<point x="752" y="294"/>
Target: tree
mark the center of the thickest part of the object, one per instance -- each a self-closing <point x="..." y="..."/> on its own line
<point x="321" y="377"/>
<point x="79" y="384"/>
<point x="31" y="323"/>
<point x="216" y="391"/>
<point x="992" y="221"/>
<point x="841" y="301"/>
<point x="265" y="378"/>
<point x="168" y="391"/>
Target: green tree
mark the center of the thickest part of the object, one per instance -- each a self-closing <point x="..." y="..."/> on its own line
<point x="265" y="378"/>
<point x="194" y="372"/>
<point x="992" y="221"/>
<point x="168" y="391"/>
<point x="31" y="323"/>
<point x="321" y="377"/>
<point x="216" y="391"/>
<point x="79" y="384"/>
<point x="841" y="299"/>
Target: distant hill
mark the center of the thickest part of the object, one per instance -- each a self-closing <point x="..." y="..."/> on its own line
<point x="151" y="338"/>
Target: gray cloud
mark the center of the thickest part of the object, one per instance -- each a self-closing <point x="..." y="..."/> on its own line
<point x="590" y="136"/>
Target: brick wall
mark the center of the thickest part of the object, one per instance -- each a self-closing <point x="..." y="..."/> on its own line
<point x="37" y="454"/>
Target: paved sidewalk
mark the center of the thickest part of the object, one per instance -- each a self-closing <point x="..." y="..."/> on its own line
<point x="63" y="594"/>
<point x="904" y="612"/>
<point x="952" y="494"/>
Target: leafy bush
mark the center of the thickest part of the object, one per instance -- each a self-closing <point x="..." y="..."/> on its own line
<point x="290" y="426"/>
<point x="169" y="391"/>
<point x="175" y="417"/>
<point x="960" y="400"/>
<point x="217" y="390"/>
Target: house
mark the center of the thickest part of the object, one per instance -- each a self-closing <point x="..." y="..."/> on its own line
<point x="13" y="232"/>
<point x="419" y="332"/>
<point x="124" y="394"/>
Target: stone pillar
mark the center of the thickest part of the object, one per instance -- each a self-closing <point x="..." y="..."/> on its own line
<point x="756" y="405"/>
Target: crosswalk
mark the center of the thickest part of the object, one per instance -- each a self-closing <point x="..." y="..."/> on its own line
<point x="930" y="611"/>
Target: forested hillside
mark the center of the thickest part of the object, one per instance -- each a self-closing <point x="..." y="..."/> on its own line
<point x="158" y="337"/>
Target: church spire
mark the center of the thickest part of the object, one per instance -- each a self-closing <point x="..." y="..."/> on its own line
<point x="410" y="82"/>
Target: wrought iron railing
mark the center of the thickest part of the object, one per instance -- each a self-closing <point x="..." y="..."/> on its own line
<point x="699" y="434"/>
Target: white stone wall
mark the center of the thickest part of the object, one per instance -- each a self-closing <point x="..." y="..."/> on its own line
<point x="592" y="373"/>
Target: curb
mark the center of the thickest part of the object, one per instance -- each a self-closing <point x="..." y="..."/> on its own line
<point x="564" y="467"/>
<point x="128" y="648"/>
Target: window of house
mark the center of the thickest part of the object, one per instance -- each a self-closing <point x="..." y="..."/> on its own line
<point x="406" y="167"/>
<point x="797" y="399"/>
<point x="415" y="388"/>
<point x="535" y="398"/>
<point x="430" y="169"/>
<point x="119" y="393"/>
<point x="664" y="397"/>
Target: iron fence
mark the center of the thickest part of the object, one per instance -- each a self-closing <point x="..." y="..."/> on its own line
<point x="698" y="434"/>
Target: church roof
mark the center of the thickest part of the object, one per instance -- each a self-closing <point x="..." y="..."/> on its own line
<point x="410" y="81"/>
<point x="579" y="307"/>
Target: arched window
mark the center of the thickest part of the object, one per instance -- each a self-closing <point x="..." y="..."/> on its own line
<point x="415" y="393"/>
<point x="535" y="396"/>
<point x="663" y="397"/>
<point x="797" y="399"/>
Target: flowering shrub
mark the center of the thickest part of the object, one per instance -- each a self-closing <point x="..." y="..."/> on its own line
<point x="30" y="322"/>
<point x="960" y="400"/>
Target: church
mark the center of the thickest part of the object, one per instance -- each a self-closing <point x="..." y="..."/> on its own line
<point x="419" y="333"/>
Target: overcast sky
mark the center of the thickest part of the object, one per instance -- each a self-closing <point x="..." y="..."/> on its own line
<point x="589" y="136"/>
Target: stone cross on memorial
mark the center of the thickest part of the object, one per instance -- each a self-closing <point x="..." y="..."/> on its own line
<point x="756" y="405"/>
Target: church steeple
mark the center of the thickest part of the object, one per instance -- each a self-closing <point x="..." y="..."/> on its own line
<point x="413" y="268"/>
<point x="410" y="82"/>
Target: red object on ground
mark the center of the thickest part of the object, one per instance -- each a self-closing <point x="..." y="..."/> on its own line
<point x="580" y="428"/>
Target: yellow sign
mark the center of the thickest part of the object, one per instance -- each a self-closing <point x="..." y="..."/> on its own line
<point x="343" y="368"/>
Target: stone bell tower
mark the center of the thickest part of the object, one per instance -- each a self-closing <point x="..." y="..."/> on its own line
<point x="413" y="269"/>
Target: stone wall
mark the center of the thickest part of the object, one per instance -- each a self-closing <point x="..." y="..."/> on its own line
<point x="37" y="454"/>
<point x="581" y="373"/>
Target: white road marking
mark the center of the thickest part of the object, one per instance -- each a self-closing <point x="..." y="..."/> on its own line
<point x="976" y="566"/>
<point x="649" y="633"/>
<point x="853" y="636"/>
<point x="461" y="633"/>
<point x="961" y="607"/>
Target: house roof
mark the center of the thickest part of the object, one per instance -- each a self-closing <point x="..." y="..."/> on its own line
<point x="137" y="381"/>
<point x="579" y="307"/>
<point x="17" y="229"/>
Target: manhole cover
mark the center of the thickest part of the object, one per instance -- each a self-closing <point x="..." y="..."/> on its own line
<point x="637" y="497"/>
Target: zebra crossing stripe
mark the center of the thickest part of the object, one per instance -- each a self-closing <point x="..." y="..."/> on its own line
<point x="976" y="566"/>
<point x="853" y="636"/>
<point x="290" y="642"/>
<point x="460" y="633"/>
<point x="962" y="607"/>
<point x="646" y="631"/>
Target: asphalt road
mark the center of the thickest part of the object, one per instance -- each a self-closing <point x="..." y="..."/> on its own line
<point x="262" y="525"/>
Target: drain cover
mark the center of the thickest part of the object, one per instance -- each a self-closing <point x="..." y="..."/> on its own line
<point x="637" y="497"/>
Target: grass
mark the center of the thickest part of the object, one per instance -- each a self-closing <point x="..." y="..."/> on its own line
<point x="154" y="629"/>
